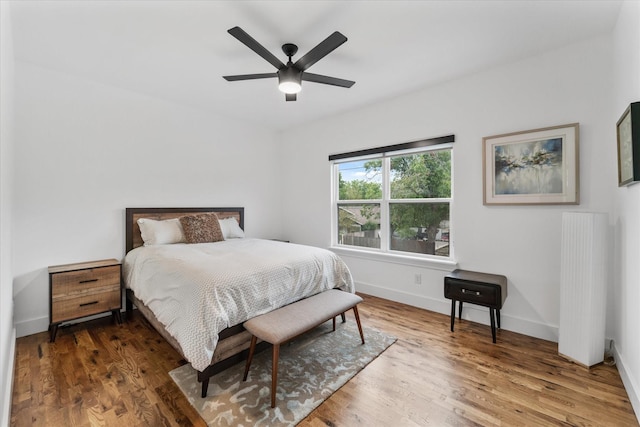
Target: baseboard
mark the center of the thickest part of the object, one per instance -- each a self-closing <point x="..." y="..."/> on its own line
<point x="8" y="391"/>
<point x="430" y="304"/>
<point x="41" y="324"/>
<point x="32" y="326"/>
<point x="630" y="386"/>
<point x="471" y="312"/>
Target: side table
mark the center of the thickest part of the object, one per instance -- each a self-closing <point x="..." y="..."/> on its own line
<point x="83" y="289"/>
<point x="489" y="290"/>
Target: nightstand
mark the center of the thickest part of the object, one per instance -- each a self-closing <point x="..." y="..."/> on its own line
<point x="489" y="290"/>
<point x="83" y="289"/>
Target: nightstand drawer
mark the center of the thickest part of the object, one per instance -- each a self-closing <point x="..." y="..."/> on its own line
<point x="475" y="293"/>
<point x="83" y="281"/>
<point x="85" y="305"/>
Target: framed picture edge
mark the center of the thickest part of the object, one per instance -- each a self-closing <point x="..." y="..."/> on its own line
<point x="633" y="111"/>
<point x="571" y="197"/>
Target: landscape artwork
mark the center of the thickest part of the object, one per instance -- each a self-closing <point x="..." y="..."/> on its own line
<point x="534" y="167"/>
<point x="531" y="167"/>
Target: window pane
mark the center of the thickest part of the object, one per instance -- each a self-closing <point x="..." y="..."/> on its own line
<point x="359" y="225"/>
<point x="421" y="176"/>
<point x="420" y="228"/>
<point x="361" y="180"/>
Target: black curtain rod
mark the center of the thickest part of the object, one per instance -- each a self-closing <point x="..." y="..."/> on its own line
<point x="396" y="147"/>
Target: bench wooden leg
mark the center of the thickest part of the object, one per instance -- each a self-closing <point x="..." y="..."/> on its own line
<point x="252" y="349"/>
<point x="274" y="373"/>
<point x="344" y="320"/>
<point x="355" y="313"/>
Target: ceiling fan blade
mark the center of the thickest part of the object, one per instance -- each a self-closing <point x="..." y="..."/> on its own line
<point x="249" y="77"/>
<point x="334" y="81"/>
<point x="290" y="96"/>
<point x="320" y="51"/>
<point x="252" y="44"/>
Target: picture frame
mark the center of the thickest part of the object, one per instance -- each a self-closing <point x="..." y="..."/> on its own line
<point x="533" y="167"/>
<point x="628" y="138"/>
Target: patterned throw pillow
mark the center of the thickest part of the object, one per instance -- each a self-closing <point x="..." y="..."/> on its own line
<point x="201" y="228"/>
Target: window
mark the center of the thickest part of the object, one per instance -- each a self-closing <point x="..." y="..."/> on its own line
<point x="394" y="200"/>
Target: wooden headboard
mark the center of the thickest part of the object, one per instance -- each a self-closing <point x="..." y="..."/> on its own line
<point x="133" y="238"/>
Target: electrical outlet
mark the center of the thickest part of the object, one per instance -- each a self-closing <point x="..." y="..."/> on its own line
<point x="418" y="279"/>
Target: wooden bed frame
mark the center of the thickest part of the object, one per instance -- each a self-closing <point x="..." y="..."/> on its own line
<point x="233" y="345"/>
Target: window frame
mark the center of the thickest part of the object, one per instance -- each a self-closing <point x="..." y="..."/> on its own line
<point x="386" y="201"/>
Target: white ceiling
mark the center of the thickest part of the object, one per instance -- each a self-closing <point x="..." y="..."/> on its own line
<point x="179" y="50"/>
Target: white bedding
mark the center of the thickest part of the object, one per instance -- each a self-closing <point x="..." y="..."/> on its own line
<point x="197" y="290"/>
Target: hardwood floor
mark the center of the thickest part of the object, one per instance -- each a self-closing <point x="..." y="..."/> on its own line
<point x="102" y="374"/>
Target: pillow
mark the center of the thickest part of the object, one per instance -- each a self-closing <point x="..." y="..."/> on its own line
<point x="165" y="232"/>
<point x="201" y="228"/>
<point x="231" y="229"/>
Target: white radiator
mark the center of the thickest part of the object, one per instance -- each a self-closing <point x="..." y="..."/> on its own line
<point x="583" y="275"/>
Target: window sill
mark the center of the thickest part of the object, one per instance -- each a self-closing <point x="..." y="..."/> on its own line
<point x="413" y="261"/>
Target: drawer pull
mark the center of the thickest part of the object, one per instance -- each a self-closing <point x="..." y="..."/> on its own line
<point x="88" y="303"/>
<point x="88" y="281"/>
<point x="466" y="291"/>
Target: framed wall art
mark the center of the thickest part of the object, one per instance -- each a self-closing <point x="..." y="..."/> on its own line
<point x="534" y="167"/>
<point x="628" y="132"/>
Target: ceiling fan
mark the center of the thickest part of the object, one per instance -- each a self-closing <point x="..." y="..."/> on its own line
<point x="290" y="76"/>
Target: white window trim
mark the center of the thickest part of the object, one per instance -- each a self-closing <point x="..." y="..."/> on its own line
<point x="384" y="253"/>
<point x="421" y="261"/>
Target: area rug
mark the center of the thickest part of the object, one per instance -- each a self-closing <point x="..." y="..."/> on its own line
<point x="311" y="368"/>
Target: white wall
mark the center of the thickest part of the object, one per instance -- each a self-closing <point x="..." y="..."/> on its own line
<point x="626" y="295"/>
<point x="87" y="151"/>
<point x="7" y="331"/>
<point x="560" y="87"/>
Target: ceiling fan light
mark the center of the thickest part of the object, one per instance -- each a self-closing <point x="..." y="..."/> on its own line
<point x="289" y="80"/>
<point x="289" y="87"/>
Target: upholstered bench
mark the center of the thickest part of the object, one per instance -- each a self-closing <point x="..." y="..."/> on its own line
<point x="290" y="321"/>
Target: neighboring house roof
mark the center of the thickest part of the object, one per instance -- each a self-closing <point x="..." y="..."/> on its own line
<point x="354" y="213"/>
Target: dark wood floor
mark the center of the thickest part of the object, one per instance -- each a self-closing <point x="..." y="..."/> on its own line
<point x="101" y="374"/>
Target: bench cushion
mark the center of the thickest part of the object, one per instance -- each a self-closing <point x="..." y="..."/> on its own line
<point x="287" y="322"/>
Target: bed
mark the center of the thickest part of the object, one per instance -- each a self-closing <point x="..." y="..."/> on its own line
<point x="198" y="295"/>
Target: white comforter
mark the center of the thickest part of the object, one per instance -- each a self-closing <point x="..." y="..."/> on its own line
<point x="197" y="290"/>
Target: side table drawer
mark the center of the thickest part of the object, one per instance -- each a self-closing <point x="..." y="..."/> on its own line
<point x="86" y="304"/>
<point x="84" y="281"/>
<point x="475" y="293"/>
